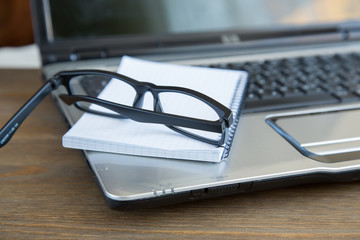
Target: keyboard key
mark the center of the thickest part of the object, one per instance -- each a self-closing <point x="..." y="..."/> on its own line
<point x="271" y="94"/>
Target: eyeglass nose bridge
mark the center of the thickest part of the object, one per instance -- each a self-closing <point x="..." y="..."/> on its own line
<point x="140" y="93"/>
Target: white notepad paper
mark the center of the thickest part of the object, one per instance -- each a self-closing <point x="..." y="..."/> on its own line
<point x="124" y="136"/>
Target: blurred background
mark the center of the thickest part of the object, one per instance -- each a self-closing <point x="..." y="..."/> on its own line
<point x="15" y="23"/>
<point x="17" y="48"/>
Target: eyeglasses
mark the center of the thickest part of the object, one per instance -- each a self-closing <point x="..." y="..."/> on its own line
<point x="129" y="104"/>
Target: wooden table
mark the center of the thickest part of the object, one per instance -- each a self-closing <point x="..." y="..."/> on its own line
<point x="47" y="192"/>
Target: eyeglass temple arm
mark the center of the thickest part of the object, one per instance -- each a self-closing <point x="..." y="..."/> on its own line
<point x="142" y="115"/>
<point x="14" y="123"/>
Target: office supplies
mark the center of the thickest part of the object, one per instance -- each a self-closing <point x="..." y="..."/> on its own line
<point x="162" y="112"/>
<point x="128" y="137"/>
<point x="291" y="55"/>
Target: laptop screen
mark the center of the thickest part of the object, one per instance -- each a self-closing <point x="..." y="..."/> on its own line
<point x="72" y="19"/>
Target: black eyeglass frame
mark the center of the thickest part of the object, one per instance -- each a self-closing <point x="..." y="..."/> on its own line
<point x="135" y="112"/>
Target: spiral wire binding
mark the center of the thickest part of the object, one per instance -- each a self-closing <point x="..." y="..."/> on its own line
<point x="237" y="104"/>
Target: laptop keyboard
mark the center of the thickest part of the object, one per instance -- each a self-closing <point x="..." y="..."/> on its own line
<point x="292" y="82"/>
<point x="300" y="82"/>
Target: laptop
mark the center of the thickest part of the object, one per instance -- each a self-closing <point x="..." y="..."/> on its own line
<point x="300" y="121"/>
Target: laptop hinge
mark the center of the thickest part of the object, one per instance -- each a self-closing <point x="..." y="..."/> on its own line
<point x="350" y="31"/>
<point x="80" y="54"/>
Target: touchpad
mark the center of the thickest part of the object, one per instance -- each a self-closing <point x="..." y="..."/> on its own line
<point x="330" y="135"/>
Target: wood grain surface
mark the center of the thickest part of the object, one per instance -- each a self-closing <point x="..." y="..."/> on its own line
<point x="47" y="192"/>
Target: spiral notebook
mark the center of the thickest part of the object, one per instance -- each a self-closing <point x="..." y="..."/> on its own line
<point x="124" y="136"/>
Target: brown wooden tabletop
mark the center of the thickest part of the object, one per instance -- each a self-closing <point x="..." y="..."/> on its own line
<point x="47" y="192"/>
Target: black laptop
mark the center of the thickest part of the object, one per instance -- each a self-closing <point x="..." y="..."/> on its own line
<point x="300" y="121"/>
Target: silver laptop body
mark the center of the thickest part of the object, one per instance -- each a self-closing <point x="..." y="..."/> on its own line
<point x="261" y="158"/>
